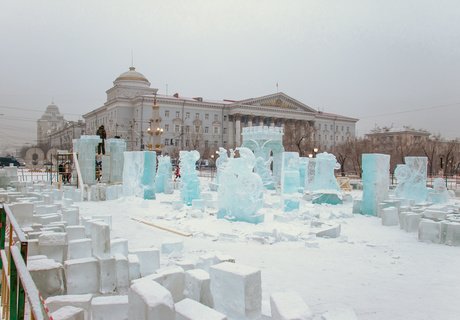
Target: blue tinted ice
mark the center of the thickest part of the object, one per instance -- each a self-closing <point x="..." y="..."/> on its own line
<point x="376" y="182"/>
<point x="190" y="184"/>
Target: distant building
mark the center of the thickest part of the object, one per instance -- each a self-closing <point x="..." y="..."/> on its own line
<point x="386" y="136"/>
<point x="147" y="120"/>
<point x="61" y="139"/>
<point x="49" y="122"/>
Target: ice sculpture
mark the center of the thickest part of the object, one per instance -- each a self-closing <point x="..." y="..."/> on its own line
<point x="148" y="175"/>
<point x="290" y="181"/>
<point x="85" y="147"/>
<point x="376" y="182"/>
<point x="439" y="193"/>
<point x="303" y="169"/>
<point x="190" y="184"/>
<point x="115" y="149"/>
<point x="325" y="165"/>
<point x="325" y="187"/>
<point x="262" y="169"/>
<point x="139" y="174"/>
<point x="411" y="179"/>
<point x="266" y="142"/>
<point x="310" y="174"/>
<point x="163" y="180"/>
<point x="240" y="194"/>
<point x="221" y="163"/>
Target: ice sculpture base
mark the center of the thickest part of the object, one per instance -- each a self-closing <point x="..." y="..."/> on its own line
<point x="290" y="205"/>
<point x="254" y="219"/>
<point x="327" y="198"/>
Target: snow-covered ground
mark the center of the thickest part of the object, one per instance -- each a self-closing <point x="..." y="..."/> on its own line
<point x="381" y="272"/>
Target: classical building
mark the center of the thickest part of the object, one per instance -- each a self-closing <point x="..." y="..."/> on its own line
<point x="135" y="112"/>
<point x="52" y="120"/>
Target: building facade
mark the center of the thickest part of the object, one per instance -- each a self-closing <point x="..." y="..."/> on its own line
<point x="61" y="139"/>
<point x="51" y="121"/>
<point x="135" y="112"/>
<point x="391" y="137"/>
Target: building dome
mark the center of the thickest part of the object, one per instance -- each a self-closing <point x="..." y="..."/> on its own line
<point x="132" y="77"/>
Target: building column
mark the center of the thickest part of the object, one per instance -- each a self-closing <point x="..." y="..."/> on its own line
<point x="231" y="131"/>
<point x="249" y="121"/>
<point x="238" y="130"/>
<point x="261" y="121"/>
<point x="272" y="122"/>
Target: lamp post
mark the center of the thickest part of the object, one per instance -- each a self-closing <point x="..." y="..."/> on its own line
<point x="315" y="151"/>
<point x="157" y="132"/>
<point x="212" y="165"/>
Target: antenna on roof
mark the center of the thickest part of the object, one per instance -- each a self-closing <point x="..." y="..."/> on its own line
<point x="52" y="100"/>
<point x="276" y="87"/>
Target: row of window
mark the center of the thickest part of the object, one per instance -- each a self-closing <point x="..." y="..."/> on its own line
<point x="331" y="137"/>
<point x="188" y="143"/>
<point x="331" y="127"/>
<point x="197" y="129"/>
<point x="197" y="115"/>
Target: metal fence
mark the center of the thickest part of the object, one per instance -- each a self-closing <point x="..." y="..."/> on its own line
<point x="20" y="298"/>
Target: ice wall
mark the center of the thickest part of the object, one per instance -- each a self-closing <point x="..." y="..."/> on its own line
<point x="303" y="167"/>
<point x="163" y="179"/>
<point x="190" y="184"/>
<point x="310" y="174"/>
<point x="411" y="179"/>
<point x="376" y="182"/>
<point x="139" y="174"/>
<point x="240" y="194"/>
<point x="115" y="149"/>
<point x="85" y="147"/>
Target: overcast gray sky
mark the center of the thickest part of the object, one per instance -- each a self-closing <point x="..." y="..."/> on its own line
<point x="387" y="62"/>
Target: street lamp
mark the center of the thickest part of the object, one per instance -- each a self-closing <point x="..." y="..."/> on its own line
<point x="315" y="151"/>
<point x="157" y="132"/>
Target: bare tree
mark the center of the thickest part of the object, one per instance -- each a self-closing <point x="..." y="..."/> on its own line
<point x="430" y="149"/>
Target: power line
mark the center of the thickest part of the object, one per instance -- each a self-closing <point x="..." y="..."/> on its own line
<point x="441" y="106"/>
<point x="40" y="110"/>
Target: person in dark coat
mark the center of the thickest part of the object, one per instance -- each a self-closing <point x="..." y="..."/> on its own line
<point x="103" y="135"/>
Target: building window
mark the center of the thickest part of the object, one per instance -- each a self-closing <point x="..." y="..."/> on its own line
<point x="319" y="126"/>
<point x="342" y="128"/>
<point x="332" y="127"/>
<point x="166" y="142"/>
<point x="187" y="115"/>
<point x="216" y="130"/>
<point x="225" y="130"/>
<point x="206" y="116"/>
<point x="197" y="115"/>
<point x="187" y="143"/>
<point x="187" y="129"/>
<point x="206" y="143"/>
<point x="197" y="129"/>
<point x="176" y="142"/>
<point x="166" y="113"/>
<point x="166" y="127"/>
<point x="206" y="130"/>
<point x="331" y="138"/>
<point x="176" y="128"/>
<point x="216" y="117"/>
<point x="215" y="143"/>
<point x="177" y="114"/>
<point x="348" y="129"/>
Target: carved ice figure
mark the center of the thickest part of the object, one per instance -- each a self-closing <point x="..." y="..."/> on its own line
<point x="139" y="174"/>
<point x="412" y="179"/>
<point x="325" y="180"/>
<point x="221" y="162"/>
<point x="376" y="182"/>
<point x="439" y="193"/>
<point x="190" y="184"/>
<point x="85" y="147"/>
<point x="262" y="169"/>
<point x="163" y="178"/>
<point x="240" y="192"/>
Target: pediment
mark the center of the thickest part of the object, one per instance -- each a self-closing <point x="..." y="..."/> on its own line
<point x="279" y="101"/>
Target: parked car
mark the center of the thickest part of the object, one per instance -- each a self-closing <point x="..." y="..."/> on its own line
<point x="6" y="161"/>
